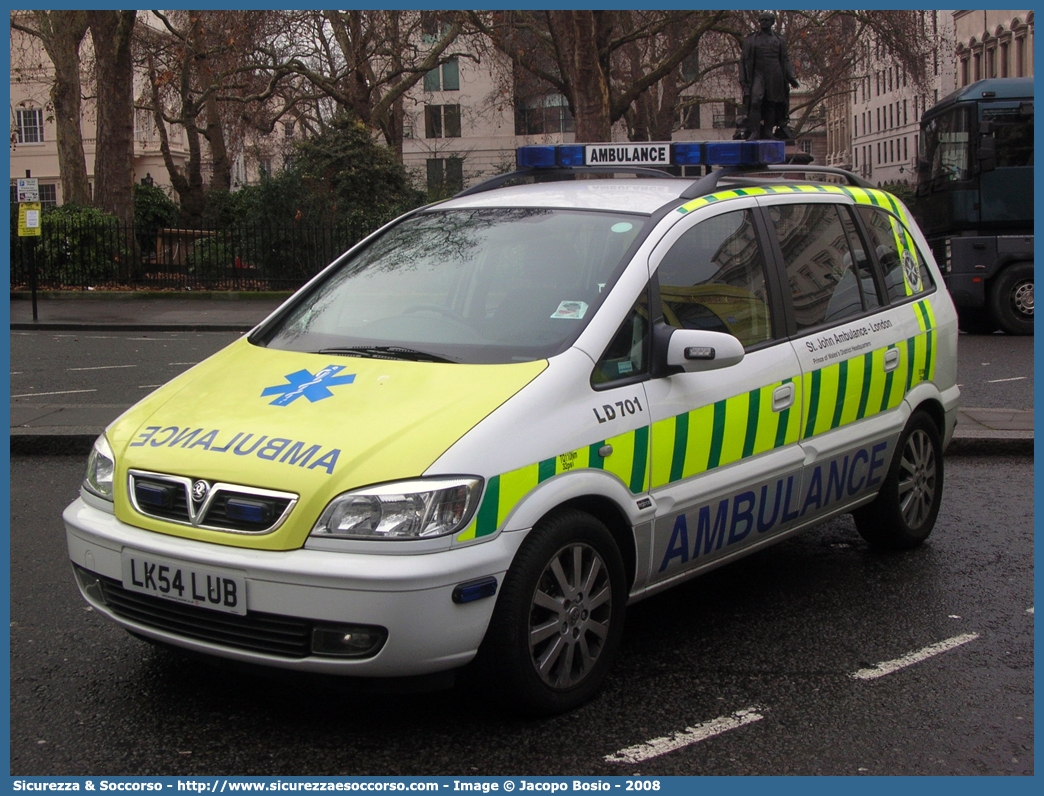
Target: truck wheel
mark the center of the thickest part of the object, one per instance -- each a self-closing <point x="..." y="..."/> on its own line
<point x="559" y="618"/>
<point x="1011" y="299"/>
<point x="903" y="514"/>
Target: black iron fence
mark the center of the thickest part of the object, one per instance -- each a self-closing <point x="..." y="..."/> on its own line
<point x="76" y="255"/>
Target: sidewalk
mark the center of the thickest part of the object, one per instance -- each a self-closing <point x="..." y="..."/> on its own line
<point x="68" y="428"/>
<point x="142" y="312"/>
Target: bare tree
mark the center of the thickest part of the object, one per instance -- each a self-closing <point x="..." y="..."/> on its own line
<point x="366" y="61"/>
<point x="581" y="54"/>
<point x="114" y="77"/>
<point x="204" y="76"/>
<point x="61" y="33"/>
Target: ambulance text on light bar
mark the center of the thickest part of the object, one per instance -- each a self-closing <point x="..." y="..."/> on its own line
<point x="681" y="153"/>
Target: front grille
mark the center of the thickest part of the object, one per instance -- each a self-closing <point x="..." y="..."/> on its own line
<point x="271" y="634"/>
<point x="170" y="497"/>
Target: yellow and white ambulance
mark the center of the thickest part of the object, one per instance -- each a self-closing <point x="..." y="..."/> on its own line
<point x="493" y="424"/>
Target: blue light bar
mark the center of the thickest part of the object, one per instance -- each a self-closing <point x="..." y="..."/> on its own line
<point x="654" y="154"/>
<point x="743" y="153"/>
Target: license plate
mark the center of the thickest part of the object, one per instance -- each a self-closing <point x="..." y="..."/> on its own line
<point x="207" y="587"/>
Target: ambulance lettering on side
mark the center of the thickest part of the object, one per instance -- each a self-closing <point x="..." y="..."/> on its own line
<point x="490" y="426"/>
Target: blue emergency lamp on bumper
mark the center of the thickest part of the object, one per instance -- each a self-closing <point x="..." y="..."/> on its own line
<point x="681" y="153"/>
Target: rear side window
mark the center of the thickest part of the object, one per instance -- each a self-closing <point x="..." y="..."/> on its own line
<point x="905" y="269"/>
<point x="826" y="282"/>
<point x="713" y="278"/>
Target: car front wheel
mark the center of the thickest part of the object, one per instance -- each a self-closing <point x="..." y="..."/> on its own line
<point x="559" y="617"/>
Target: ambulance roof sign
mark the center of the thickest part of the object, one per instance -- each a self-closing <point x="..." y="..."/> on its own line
<point x="28" y="189"/>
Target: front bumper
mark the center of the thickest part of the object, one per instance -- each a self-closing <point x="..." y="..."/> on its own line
<point x="409" y="595"/>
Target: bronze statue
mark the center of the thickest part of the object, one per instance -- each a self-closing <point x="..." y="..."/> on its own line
<point x="766" y="78"/>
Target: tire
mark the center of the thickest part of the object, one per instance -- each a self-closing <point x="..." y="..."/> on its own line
<point x="1011" y="299"/>
<point x="553" y="635"/>
<point x="976" y="321"/>
<point x="904" y="512"/>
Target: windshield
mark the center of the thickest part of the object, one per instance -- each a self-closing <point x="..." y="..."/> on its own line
<point x="475" y="286"/>
<point x="944" y="147"/>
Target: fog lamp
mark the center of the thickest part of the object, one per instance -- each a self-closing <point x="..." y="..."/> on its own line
<point x="348" y="641"/>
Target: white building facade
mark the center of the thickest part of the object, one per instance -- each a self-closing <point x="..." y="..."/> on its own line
<point x="886" y="105"/>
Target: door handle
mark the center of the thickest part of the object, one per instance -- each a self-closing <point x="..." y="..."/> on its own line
<point x="891" y="359"/>
<point x="782" y="397"/>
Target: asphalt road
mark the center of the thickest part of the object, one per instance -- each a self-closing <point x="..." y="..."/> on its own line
<point x="995" y="371"/>
<point x="116" y="369"/>
<point x="778" y="635"/>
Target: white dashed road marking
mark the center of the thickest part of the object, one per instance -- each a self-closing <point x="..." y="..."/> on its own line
<point x="104" y="367"/>
<point x="998" y="381"/>
<point x="62" y="392"/>
<point x="689" y="736"/>
<point x="887" y="667"/>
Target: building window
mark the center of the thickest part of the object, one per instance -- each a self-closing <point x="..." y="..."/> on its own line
<point x="1004" y="55"/>
<point x="906" y="119"/>
<point x="442" y="121"/>
<point x="991" y="62"/>
<point x="445" y="174"/>
<point x="443" y="78"/>
<point x="264" y="168"/>
<point x="689" y="117"/>
<point x="906" y="149"/>
<point x="805" y="145"/>
<point x="49" y="194"/>
<point x="543" y="115"/>
<point x="30" y="126"/>
<point x="978" y="65"/>
<point x="288" y="129"/>
<point x="964" y="72"/>
<point x="1020" y="56"/>
<point x="432" y="28"/>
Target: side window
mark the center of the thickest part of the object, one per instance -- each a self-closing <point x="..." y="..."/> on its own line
<point x="861" y="258"/>
<point x="824" y="284"/>
<point x="626" y="355"/>
<point x="905" y="271"/>
<point x="713" y="278"/>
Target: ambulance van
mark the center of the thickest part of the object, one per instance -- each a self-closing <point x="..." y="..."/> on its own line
<point x="489" y="427"/>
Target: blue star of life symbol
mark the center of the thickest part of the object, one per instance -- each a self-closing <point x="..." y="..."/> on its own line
<point x="304" y="384"/>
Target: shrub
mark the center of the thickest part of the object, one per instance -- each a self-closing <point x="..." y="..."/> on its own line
<point x="81" y="246"/>
<point x="153" y="210"/>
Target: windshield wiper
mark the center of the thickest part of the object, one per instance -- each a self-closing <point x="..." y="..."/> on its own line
<point x="386" y="352"/>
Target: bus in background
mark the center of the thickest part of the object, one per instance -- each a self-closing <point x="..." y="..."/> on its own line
<point x="975" y="201"/>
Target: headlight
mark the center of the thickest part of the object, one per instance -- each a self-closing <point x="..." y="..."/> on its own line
<point x="100" y="468"/>
<point x="419" y="509"/>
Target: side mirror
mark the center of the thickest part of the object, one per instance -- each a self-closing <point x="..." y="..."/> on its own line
<point x="695" y="350"/>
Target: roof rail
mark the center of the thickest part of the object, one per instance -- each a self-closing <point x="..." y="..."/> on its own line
<point x="708" y="184"/>
<point x="561" y="174"/>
